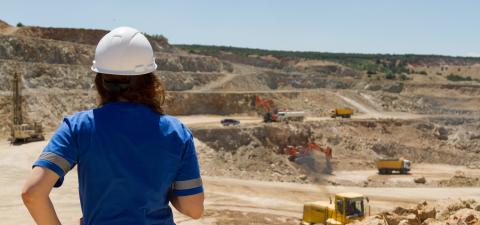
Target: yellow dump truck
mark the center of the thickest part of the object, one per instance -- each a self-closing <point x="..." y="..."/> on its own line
<point x="342" y="112"/>
<point x="348" y="207"/>
<point x="387" y="166"/>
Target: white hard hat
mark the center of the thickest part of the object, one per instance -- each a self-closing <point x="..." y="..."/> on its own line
<point x="124" y="51"/>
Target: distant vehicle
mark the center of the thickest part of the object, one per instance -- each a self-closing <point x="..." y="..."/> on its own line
<point x="347" y="208"/>
<point x="291" y="116"/>
<point x="387" y="166"/>
<point x="342" y="112"/>
<point x="230" y="122"/>
<point x="26" y="133"/>
<point x="273" y="115"/>
<point x="22" y="132"/>
<point x="296" y="153"/>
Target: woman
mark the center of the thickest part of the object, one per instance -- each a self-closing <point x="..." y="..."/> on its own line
<point x="132" y="159"/>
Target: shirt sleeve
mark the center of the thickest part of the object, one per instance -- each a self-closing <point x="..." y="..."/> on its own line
<point x="188" y="180"/>
<point x="60" y="154"/>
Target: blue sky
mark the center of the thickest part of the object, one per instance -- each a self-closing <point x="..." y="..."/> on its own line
<point x="369" y="26"/>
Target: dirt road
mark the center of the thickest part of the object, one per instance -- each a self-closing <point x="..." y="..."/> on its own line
<point x="434" y="173"/>
<point x="242" y="198"/>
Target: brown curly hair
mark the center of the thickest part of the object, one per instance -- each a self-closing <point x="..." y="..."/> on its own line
<point x="145" y="89"/>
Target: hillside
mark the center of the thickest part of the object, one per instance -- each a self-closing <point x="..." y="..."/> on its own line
<point x="371" y="64"/>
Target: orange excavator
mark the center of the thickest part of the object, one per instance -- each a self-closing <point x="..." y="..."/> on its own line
<point x="300" y="151"/>
<point x="271" y="114"/>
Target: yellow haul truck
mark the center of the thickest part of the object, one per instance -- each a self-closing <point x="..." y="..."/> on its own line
<point x="387" y="166"/>
<point x="342" y="112"/>
<point x="348" y="207"/>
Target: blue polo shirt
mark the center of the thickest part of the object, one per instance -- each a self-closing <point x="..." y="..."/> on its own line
<point x="129" y="160"/>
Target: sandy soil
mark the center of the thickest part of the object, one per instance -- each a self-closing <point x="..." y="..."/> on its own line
<point x="244" y="200"/>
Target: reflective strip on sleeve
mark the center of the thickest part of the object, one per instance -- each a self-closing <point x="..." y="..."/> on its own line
<point x="187" y="184"/>
<point x="57" y="160"/>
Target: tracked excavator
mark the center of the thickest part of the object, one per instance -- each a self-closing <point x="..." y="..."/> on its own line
<point x="298" y="152"/>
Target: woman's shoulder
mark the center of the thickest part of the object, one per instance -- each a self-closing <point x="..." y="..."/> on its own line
<point x="170" y="123"/>
<point x="79" y="118"/>
<point x="165" y="118"/>
<point x="85" y="114"/>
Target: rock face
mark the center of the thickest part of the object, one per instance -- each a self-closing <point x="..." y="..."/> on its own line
<point x="27" y="49"/>
<point x="82" y="36"/>
<point x="187" y="63"/>
<point x="3" y="24"/>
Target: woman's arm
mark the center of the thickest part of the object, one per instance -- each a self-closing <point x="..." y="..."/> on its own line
<point x="191" y="205"/>
<point x="35" y="195"/>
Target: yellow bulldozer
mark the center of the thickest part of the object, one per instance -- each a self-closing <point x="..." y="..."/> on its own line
<point x="346" y="208"/>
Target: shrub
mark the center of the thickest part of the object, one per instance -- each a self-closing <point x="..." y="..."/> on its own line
<point x="20" y="24"/>
<point x="390" y="76"/>
<point x="404" y="77"/>
<point x="455" y="77"/>
<point x="423" y="72"/>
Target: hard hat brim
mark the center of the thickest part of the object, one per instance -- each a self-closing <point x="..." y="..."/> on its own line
<point x="140" y="71"/>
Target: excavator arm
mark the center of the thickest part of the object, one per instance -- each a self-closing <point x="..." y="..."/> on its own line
<point x="314" y="147"/>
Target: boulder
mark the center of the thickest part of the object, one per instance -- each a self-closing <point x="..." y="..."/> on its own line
<point x="412" y="219"/>
<point x="465" y="216"/>
<point x="373" y="87"/>
<point x="395" y="219"/>
<point x="441" y="133"/>
<point x="403" y="211"/>
<point x="425" y="211"/>
<point x="432" y="221"/>
<point x="394" y="88"/>
<point x="373" y="220"/>
<point x="420" y="180"/>
<point x="425" y="126"/>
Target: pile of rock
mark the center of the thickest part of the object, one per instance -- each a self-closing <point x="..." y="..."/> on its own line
<point x="447" y="212"/>
<point x="460" y="180"/>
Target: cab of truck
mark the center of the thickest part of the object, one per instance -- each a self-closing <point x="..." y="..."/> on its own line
<point x="346" y="208"/>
